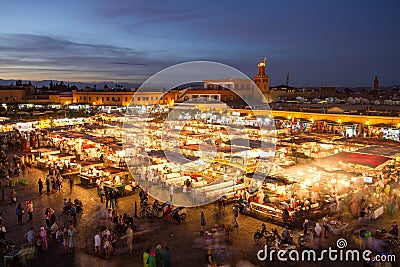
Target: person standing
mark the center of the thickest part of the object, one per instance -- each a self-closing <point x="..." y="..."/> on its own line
<point x="40" y="183"/>
<point x="171" y="191"/>
<point x="149" y="177"/>
<point x="48" y="184"/>
<point x="71" y="237"/>
<point x="111" y="195"/>
<point x="236" y="214"/>
<point x="146" y="256"/>
<point x="19" y="212"/>
<point x="47" y="217"/>
<point x="107" y="248"/>
<point x="71" y="184"/>
<point x="210" y="258"/>
<point x="29" y="209"/>
<point x="305" y="227"/>
<point x="59" y="183"/>
<point x="325" y="225"/>
<point x="167" y="257"/>
<point x="115" y="197"/>
<point x="43" y="239"/>
<point x="65" y="238"/>
<point x="318" y="230"/>
<point x="3" y="231"/>
<point x="13" y="196"/>
<point x="30" y="236"/>
<point x="107" y="193"/>
<point x="159" y="256"/>
<point x="129" y="238"/>
<point x="97" y="244"/>
<point x="163" y="181"/>
<point x="152" y="258"/>
<point x="73" y="213"/>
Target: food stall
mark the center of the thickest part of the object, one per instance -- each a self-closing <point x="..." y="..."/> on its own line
<point x="91" y="173"/>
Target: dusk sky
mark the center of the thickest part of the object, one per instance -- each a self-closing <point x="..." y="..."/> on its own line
<point x="342" y="43"/>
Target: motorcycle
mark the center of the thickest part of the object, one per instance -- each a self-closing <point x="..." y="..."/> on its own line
<point x="146" y="212"/>
<point x="177" y="215"/>
<point x="6" y="246"/>
<point x="159" y="210"/>
<point x="264" y="233"/>
<point x="387" y="237"/>
<point x="288" y="240"/>
<point x="308" y="237"/>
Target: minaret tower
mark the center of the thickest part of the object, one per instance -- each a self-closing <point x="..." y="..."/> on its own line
<point x="262" y="80"/>
<point x="376" y="83"/>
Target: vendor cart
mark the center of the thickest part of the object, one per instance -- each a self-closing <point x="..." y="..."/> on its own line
<point x="337" y="227"/>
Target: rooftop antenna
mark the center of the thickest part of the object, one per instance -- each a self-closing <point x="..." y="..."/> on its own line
<point x="265" y="59"/>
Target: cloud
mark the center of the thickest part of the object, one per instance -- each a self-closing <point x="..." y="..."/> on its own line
<point x="49" y="57"/>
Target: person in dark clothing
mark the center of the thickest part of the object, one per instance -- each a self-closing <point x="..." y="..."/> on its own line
<point x="2" y="232"/>
<point x="159" y="256"/>
<point x="19" y="212"/>
<point x="167" y="257"/>
<point x="285" y="215"/>
<point x="71" y="185"/>
<point x="112" y="200"/>
<point x="210" y="258"/>
<point x="40" y="183"/>
<point x="47" y="217"/>
<point x="116" y="199"/>
<point x="48" y="184"/>
<point x="52" y="217"/>
<point x="107" y="193"/>
<point x="305" y="226"/>
<point x="395" y="230"/>
<point x="73" y="213"/>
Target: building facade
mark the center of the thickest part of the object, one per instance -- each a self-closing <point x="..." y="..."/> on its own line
<point x="122" y="98"/>
<point x="204" y="95"/>
<point x="14" y="94"/>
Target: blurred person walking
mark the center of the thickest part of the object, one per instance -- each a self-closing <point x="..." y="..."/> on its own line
<point x="19" y="212"/>
<point x="129" y="238"/>
<point x="71" y="184"/>
<point x="29" y="209"/>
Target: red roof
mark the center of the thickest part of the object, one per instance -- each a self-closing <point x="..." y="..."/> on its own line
<point x="369" y="160"/>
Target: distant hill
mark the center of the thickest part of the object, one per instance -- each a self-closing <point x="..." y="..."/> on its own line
<point x="80" y="85"/>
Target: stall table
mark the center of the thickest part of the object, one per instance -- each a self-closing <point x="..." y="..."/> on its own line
<point x="376" y="213"/>
<point x="12" y="258"/>
<point x="337" y="227"/>
<point x="120" y="188"/>
<point x="88" y="180"/>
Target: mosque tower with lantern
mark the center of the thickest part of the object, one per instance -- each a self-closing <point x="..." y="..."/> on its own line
<point x="261" y="80"/>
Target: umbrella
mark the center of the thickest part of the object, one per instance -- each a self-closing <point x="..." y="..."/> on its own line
<point x="202" y="221"/>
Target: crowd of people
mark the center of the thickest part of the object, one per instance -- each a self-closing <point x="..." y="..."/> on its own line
<point x="157" y="257"/>
<point x="39" y="239"/>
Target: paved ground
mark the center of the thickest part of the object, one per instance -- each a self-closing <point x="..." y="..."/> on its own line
<point x="187" y="246"/>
